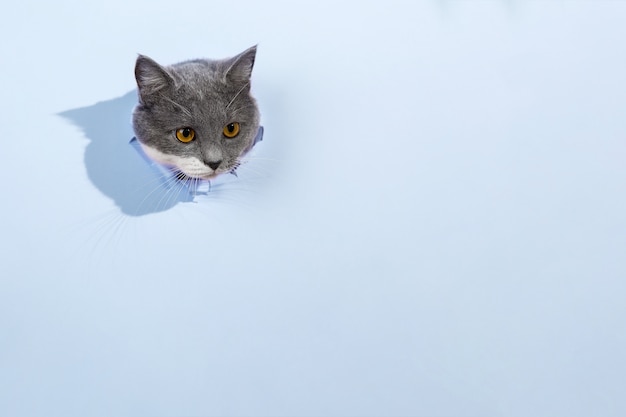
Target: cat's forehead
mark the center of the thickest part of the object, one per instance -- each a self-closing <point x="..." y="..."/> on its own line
<point x="196" y="69"/>
<point x="201" y="80"/>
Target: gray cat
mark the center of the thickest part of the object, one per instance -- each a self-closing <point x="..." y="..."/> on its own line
<point x="198" y="116"/>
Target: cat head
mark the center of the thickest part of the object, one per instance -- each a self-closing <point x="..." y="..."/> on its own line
<point x="196" y="116"/>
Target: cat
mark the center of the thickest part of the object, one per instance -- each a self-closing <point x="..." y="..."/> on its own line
<point x="197" y="117"/>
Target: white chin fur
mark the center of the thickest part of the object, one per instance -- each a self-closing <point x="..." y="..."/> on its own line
<point x="190" y="166"/>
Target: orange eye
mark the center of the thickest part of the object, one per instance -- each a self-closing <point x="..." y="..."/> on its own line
<point x="231" y="130"/>
<point x="185" y="135"/>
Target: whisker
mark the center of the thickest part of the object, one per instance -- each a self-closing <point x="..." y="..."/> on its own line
<point x="180" y="106"/>
<point x="102" y="237"/>
<point x="162" y="182"/>
<point x="179" y="186"/>
<point x="238" y="92"/>
<point x="259" y="158"/>
<point x="242" y="107"/>
<point x="171" y="184"/>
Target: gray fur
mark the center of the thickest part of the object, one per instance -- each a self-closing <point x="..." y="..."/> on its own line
<point x="204" y="95"/>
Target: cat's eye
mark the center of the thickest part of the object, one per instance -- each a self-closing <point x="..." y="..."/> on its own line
<point x="231" y="130"/>
<point x="185" y="135"/>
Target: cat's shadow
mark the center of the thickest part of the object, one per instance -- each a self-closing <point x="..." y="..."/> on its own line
<point x="114" y="166"/>
<point x="119" y="171"/>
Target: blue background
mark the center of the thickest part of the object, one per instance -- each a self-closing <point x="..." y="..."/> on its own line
<point x="434" y="224"/>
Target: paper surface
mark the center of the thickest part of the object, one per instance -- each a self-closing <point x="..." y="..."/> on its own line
<point x="434" y="224"/>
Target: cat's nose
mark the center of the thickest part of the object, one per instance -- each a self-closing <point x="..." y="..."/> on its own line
<point x="214" y="164"/>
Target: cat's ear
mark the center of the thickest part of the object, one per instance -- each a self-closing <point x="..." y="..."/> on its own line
<point x="151" y="78"/>
<point x="239" y="68"/>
